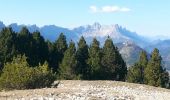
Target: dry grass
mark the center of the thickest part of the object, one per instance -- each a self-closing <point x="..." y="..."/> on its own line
<point x="91" y="90"/>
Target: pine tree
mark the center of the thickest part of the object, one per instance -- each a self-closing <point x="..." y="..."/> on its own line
<point x="68" y="64"/>
<point x="60" y="47"/>
<point x="82" y="56"/>
<point x="7" y="45"/>
<point x="94" y="60"/>
<point x="114" y="67"/>
<point x="25" y="43"/>
<point x="51" y="54"/>
<point x="154" y="70"/>
<point x="143" y="61"/>
<point x="136" y="72"/>
<point x="121" y="69"/>
<point x="39" y="49"/>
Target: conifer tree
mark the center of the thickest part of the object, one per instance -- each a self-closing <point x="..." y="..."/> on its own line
<point x="51" y="54"/>
<point x="94" y="60"/>
<point x="39" y="49"/>
<point x="68" y="64"/>
<point x="7" y="45"/>
<point x="143" y="61"/>
<point x="154" y="70"/>
<point x="82" y="56"/>
<point x="25" y="43"/>
<point x="60" y="47"/>
<point x="112" y="63"/>
<point x="121" y="69"/>
<point x="136" y="72"/>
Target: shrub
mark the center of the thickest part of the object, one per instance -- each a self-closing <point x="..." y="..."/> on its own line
<point x="19" y="75"/>
<point x="42" y="76"/>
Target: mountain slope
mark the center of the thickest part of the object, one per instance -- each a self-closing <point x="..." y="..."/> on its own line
<point x="130" y="52"/>
<point x="116" y="32"/>
<point x="101" y="32"/>
<point x="164" y="49"/>
<point x="49" y="32"/>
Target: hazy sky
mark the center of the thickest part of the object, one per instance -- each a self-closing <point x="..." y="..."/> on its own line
<point x="146" y="17"/>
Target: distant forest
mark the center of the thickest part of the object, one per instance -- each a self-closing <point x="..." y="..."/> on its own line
<point x="27" y="60"/>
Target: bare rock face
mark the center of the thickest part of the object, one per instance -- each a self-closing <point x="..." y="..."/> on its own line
<point x="90" y="90"/>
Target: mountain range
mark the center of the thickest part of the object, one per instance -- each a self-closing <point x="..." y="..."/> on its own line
<point x="130" y="44"/>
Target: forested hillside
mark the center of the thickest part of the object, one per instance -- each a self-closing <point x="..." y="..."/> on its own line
<point x="27" y="60"/>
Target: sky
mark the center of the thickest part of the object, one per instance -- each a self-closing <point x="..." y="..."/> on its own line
<point x="146" y="17"/>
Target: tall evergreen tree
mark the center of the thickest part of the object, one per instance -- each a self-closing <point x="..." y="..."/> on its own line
<point x="82" y="56"/>
<point x="39" y="49"/>
<point x="121" y="68"/>
<point x="25" y="43"/>
<point x="51" y="54"/>
<point x="69" y="63"/>
<point x="136" y="72"/>
<point x="154" y="70"/>
<point x="94" y="60"/>
<point x="143" y="61"/>
<point x="60" y="48"/>
<point x="113" y="65"/>
<point x="7" y="45"/>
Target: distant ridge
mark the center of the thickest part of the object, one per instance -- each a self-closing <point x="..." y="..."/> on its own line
<point x="116" y="32"/>
<point x="119" y="34"/>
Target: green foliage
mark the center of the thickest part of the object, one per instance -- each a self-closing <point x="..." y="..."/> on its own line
<point x="154" y="72"/>
<point x="42" y="76"/>
<point x="39" y="50"/>
<point x="33" y="46"/>
<point x="113" y="66"/>
<point x="19" y="75"/>
<point x="93" y="63"/>
<point x="67" y="68"/>
<point x="136" y="72"/>
<point x="7" y="45"/>
<point x="24" y="42"/>
<point x="94" y="60"/>
<point x="51" y="55"/>
<point x="82" y="56"/>
<point x="60" y="46"/>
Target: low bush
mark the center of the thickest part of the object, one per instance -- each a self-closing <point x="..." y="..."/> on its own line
<point x="19" y="75"/>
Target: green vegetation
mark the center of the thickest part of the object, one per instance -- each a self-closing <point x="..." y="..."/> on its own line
<point x="136" y="72"/>
<point x="67" y="69"/>
<point x="113" y="66"/>
<point x="154" y="72"/>
<point x="149" y="72"/>
<point x="24" y="59"/>
<point x="94" y="60"/>
<point x="82" y="56"/>
<point x="19" y="75"/>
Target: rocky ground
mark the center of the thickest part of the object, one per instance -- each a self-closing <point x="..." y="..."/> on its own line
<point x="90" y="90"/>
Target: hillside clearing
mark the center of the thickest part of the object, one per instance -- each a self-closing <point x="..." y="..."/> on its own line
<point x="90" y="90"/>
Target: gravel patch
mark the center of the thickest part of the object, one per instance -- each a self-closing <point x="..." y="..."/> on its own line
<point x="90" y="90"/>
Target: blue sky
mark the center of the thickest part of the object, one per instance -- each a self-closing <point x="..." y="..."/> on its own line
<point x="146" y="17"/>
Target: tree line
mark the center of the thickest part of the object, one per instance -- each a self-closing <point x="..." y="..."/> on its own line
<point x="149" y="71"/>
<point x="72" y="61"/>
